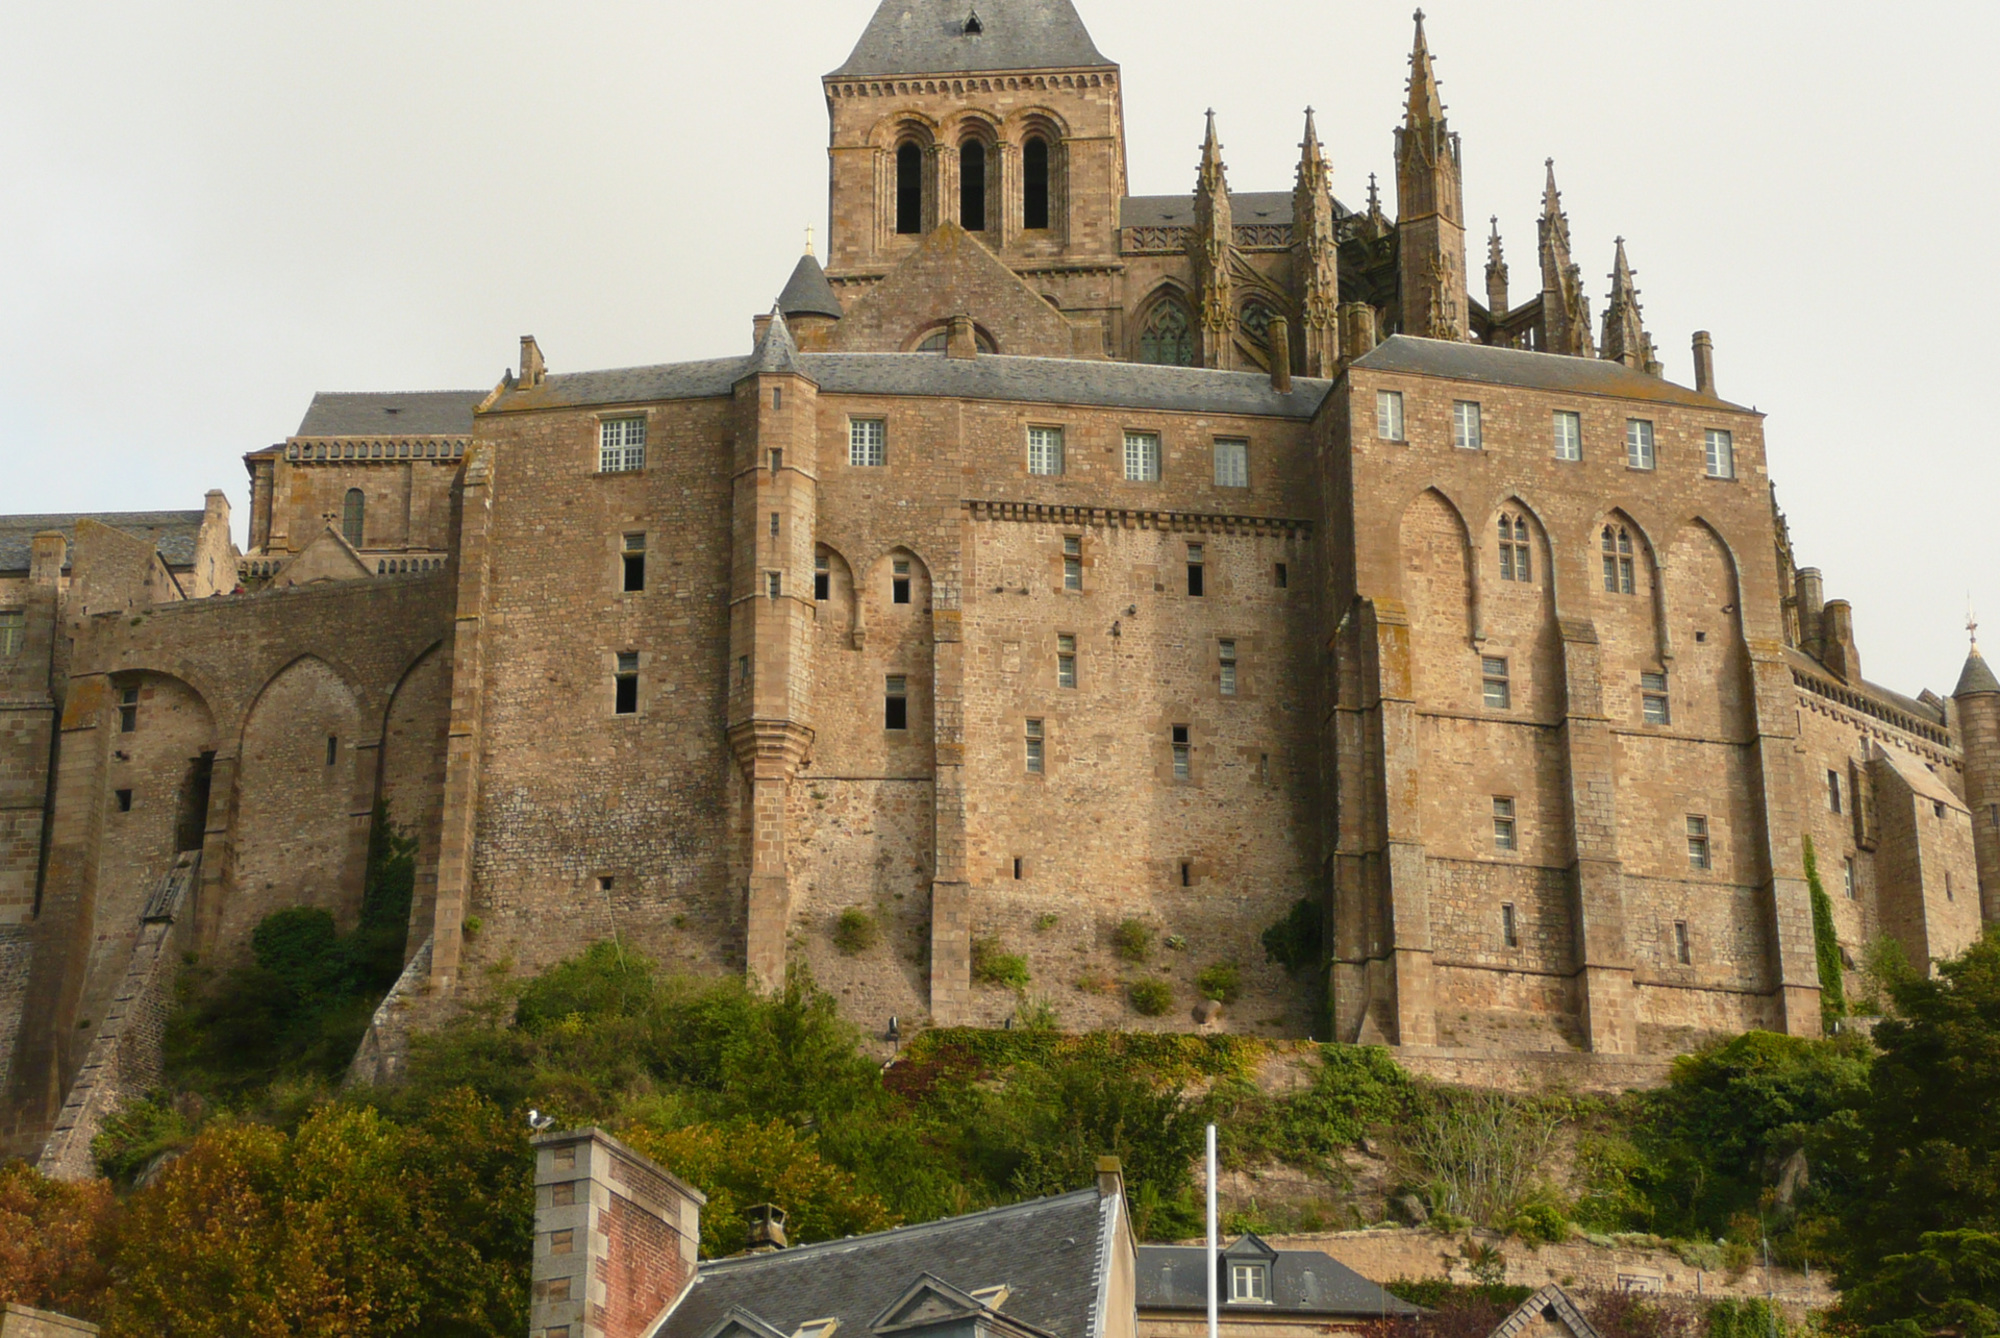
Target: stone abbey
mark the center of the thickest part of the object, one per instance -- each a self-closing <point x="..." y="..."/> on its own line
<point x="1055" y="558"/>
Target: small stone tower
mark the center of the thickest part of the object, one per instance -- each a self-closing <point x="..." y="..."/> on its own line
<point x="1430" y="209"/>
<point x="1978" y="700"/>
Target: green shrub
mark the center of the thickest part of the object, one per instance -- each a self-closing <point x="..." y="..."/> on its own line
<point x="1221" y="981"/>
<point x="1540" y="1224"/>
<point x="1151" y="998"/>
<point x="1747" y="1317"/>
<point x="855" y="931"/>
<point x="139" y="1132"/>
<point x="1132" y="940"/>
<point x="991" y="966"/>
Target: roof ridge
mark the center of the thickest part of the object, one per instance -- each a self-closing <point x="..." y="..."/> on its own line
<point x="932" y="1227"/>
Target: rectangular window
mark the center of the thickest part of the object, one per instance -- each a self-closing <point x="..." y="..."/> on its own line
<point x="1503" y="822"/>
<point x="1683" y="950"/>
<point x="625" y="684"/>
<point x="1229" y="668"/>
<point x="742" y="671"/>
<point x="777" y="397"/>
<point x="13" y="631"/>
<point x="774" y="583"/>
<point x="1034" y="747"/>
<point x="1194" y="566"/>
<point x="1720" y="451"/>
<point x="1847" y="876"/>
<point x="1182" y="749"/>
<point x="1249" y="1282"/>
<point x="822" y="578"/>
<point x="1465" y="424"/>
<point x="124" y="798"/>
<point x="1638" y="443"/>
<point x="777" y="459"/>
<point x="332" y="749"/>
<point x="1045" y="450"/>
<point x="621" y="445"/>
<point x="899" y="581"/>
<point x="1065" y="660"/>
<point x="1569" y="435"/>
<point x="633" y="555"/>
<point x="774" y="524"/>
<point x="1282" y="575"/>
<point x="1510" y="925"/>
<point x="1072" y="562"/>
<point x="128" y="710"/>
<point x="867" y="441"/>
<point x="1697" y="828"/>
<point x="1496" y="691"/>
<point x="1832" y="791"/>
<point x="1142" y="457"/>
<point x="1232" y="462"/>
<point x="1653" y="707"/>
<point x="895" y="702"/>
<point x="1389" y="415"/>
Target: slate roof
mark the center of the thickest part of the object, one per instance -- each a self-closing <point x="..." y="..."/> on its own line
<point x="1177" y="211"/>
<point x="775" y="351"/>
<point x="1888" y="697"/>
<point x="417" y="413"/>
<point x="988" y="376"/>
<point x="807" y="293"/>
<point x="1052" y="1255"/>
<point x="1977" y="677"/>
<point x="930" y="37"/>
<point x="173" y="532"/>
<point x="1551" y="1304"/>
<point x="1174" y="1277"/>
<point x="1538" y="371"/>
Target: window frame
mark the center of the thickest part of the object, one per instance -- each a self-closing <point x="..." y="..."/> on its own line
<point x="1236" y="449"/>
<point x="13" y="632"/>
<point x="1389" y="415"/>
<point x="867" y="436"/>
<point x="1066" y="660"/>
<point x="1718" y="464"/>
<point x="1197" y="570"/>
<point x="1467" y="434"/>
<point x="1249" y="1283"/>
<point x="1510" y="926"/>
<point x="1050" y="449"/>
<point x="899" y="580"/>
<point x="621" y="444"/>
<point x="1034" y="737"/>
<point x="1072" y="557"/>
<point x="1655" y="698"/>
<point x="1141" y="438"/>
<point x="1506" y="824"/>
<point x="822" y="578"/>
<point x="1700" y="843"/>
<point x="1182" y="741"/>
<point x="895" y="703"/>
<point x="632" y="562"/>
<point x="1226" y="664"/>
<point x="1491" y="678"/>
<point x="1641" y="445"/>
<point x="625" y="683"/>
<point x="1567" y="446"/>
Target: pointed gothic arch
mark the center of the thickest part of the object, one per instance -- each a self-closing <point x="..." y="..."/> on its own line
<point x="1165" y="330"/>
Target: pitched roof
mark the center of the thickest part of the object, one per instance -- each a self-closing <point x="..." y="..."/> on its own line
<point x="1252" y="206"/>
<point x="1977" y="676"/>
<point x="1128" y="385"/>
<point x="775" y="351"/>
<point x="1551" y="1303"/>
<point x="419" y="413"/>
<point x="1051" y="1254"/>
<point x="934" y="37"/>
<point x="1537" y="371"/>
<point x="1175" y="1277"/>
<point x="173" y="532"/>
<point x="807" y="293"/>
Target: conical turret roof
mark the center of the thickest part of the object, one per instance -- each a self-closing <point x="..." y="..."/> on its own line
<point x="807" y="293"/>
<point x="1976" y="677"/>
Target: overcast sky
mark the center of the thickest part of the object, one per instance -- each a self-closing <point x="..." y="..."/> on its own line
<point x="208" y="211"/>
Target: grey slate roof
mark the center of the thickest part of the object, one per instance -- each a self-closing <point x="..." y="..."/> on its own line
<point x="1538" y="371"/>
<point x="775" y="351"/>
<point x="1050" y="1254"/>
<point x="1177" y="211"/>
<point x="1551" y="1304"/>
<point x="1175" y="1277"/>
<point x="173" y="532"/>
<point x="418" y="413"/>
<point x="929" y="37"/>
<point x="1977" y="677"/>
<point x="807" y="293"/>
<point x="989" y="376"/>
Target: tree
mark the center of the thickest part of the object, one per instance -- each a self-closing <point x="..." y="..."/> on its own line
<point x="1923" y="1235"/>
<point x="55" y="1241"/>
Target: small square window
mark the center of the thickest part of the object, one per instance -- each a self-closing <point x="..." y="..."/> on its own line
<point x="632" y="557"/>
<point x="1045" y="450"/>
<point x="1697" y="839"/>
<point x="896" y="702"/>
<point x="1229" y="668"/>
<point x="1196" y="556"/>
<point x="1503" y="822"/>
<point x="1034" y="741"/>
<point x="1465" y="425"/>
<point x="1142" y="457"/>
<point x="1065" y="660"/>
<point x="1653" y="708"/>
<point x="625" y="684"/>
<point x="1182" y="749"/>
<point x="867" y="442"/>
<point x="1719" y="449"/>
<point x="1683" y="949"/>
<point x="1389" y="415"/>
<point x="1232" y="462"/>
<point x="1510" y="926"/>
<point x="1638" y="443"/>
<point x="1568" y="428"/>
<point x="1496" y="690"/>
<point x="621" y="445"/>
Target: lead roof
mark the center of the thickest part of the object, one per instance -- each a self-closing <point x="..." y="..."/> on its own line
<point x="417" y="413"/>
<point x="172" y="532"/>
<point x="1175" y="1277"/>
<point x="1538" y="371"/>
<point x="930" y="37"/>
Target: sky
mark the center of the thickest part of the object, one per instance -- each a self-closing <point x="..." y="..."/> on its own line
<point x="210" y="210"/>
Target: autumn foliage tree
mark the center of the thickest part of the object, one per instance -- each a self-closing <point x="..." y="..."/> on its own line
<point x="55" y="1241"/>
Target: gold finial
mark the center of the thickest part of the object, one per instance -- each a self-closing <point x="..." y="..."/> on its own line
<point x="809" y="239"/>
<point x="1972" y="625"/>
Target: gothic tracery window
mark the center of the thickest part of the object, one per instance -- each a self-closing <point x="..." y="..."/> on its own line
<point x="1167" y="337"/>
<point x="1617" y="545"/>
<point x="1515" y="563"/>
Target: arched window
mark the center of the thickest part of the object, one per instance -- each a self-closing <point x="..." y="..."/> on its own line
<point x="350" y="516"/>
<point x="972" y="186"/>
<point x="1257" y="322"/>
<point x="1617" y="560"/>
<point x="1035" y="182"/>
<point x="1515" y="564"/>
<point x="909" y="189"/>
<point x="1166" y="337"/>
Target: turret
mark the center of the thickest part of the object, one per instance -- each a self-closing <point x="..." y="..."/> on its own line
<point x="1430" y="213"/>
<point x="1625" y="337"/>
<point x="1213" y="238"/>
<point x="1978" y="700"/>
<point x="809" y="304"/>
<point x="1316" y="258"/>
<point x="1565" y="309"/>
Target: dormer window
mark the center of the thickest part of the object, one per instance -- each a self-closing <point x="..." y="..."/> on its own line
<point x="1250" y="1282"/>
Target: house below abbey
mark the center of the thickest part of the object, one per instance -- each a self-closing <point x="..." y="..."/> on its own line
<point x="1057" y="573"/>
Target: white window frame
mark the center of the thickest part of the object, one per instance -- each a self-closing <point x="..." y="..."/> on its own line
<point x="1232" y="462"/>
<point x="1654" y="706"/>
<point x="621" y="445"/>
<point x="1035" y="738"/>
<point x="1142" y="457"/>
<point x="1701" y="848"/>
<point x="1250" y="1282"/>
<point x="1389" y="415"/>
<point x="1639" y="446"/>
<point x="1847" y="876"/>
<point x="1496" y="690"/>
<point x="1227" y="652"/>
<point x="868" y="442"/>
<point x="1719" y="453"/>
<point x="1073" y="562"/>
<point x="1065" y="659"/>
<point x="1506" y="829"/>
<point x="1567" y="426"/>
<point x="1183" y="745"/>
<point x="1465" y="430"/>
<point x="1045" y="450"/>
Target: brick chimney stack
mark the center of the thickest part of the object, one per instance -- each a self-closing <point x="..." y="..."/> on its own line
<point x="1280" y="337"/>
<point x="1704" y="363"/>
<point x="615" y="1238"/>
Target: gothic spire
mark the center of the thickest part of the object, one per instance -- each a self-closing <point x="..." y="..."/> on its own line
<point x="1625" y="339"/>
<point x="1313" y="174"/>
<point x="1210" y="178"/>
<point x="1316" y="256"/>
<point x="1565" y="308"/>
<point x="1496" y="274"/>
<point x="1430" y="214"/>
<point x="1424" y="107"/>
<point x="1209" y="246"/>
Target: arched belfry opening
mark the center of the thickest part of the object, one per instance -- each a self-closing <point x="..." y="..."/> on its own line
<point x="972" y="186"/>
<point x="909" y="188"/>
<point x="1035" y="183"/>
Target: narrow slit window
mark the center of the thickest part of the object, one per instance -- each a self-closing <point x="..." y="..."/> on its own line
<point x="1697" y="838"/>
<point x="1034" y="742"/>
<point x="1496" y="691"/>
<point x="899" y="581"/>
<point x="774" y="524"/>
<point x="1072" y="562"/>
<point x="625" y="684"/>
<point x="1017" y="868"/>
<point x="822" y="578"/>
<point x="621" y="445"/>
<point x="1847" y="877"/>
<point x="1719" y="453"/>
<point x="1196" y="558"/>
<point x="1187" y="873"/>
<point x="1568" y="435"/>
<point x="1281" y="575"/>
<point x="332" y="749"/>
<point x="1618" y="571"/>
<point x="1653" y="707"/>
<point x="1182" y="750"/>
<point x="896" y="702"/>
<point x="128" y="710"/>
<point x="867" y="442"/>
<point x="777" y="458"/>
<point x="1142" y="457"/>
<point x="1232" y="462"/>
<point x="1228" y="679"/>
<point x="632" y="556"/>
<point x="774" y="583"/>
<point x="777" y="397"/>
<point x="1389" y="415"/>
<point x="1465" y="425"/>
<point x="1504" y="835"/>
<point x="1683" y="950"/>
<point x="1065" y="660"/>
<point x="1638" y="443"/>
<point x="1045" y="450"/>
<point x="1035" y="183"/>
<point x="742" y="671"/>
<point x="1832" y="791"/>
<point x="1510" y="928"/>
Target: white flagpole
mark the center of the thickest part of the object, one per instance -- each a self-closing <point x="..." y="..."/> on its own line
<point x="1212" y="1278"/>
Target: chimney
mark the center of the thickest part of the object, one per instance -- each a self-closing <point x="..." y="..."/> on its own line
<point x="1704" y="363"/>
<point x="48" y="550"/>
<point x="959" y="341"/>
<point x="1357" y="329"/>
<point x="758" y="324"/>
<point x="1110" y="1178"/>
<point x="767" y="1228"/>
<point x="1812" y="601"/>
<point x="1279" y="343"/>
<point x="615" y="1237"/>
<point x="1837" y="630"/>
<point x="533" y="369"/>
